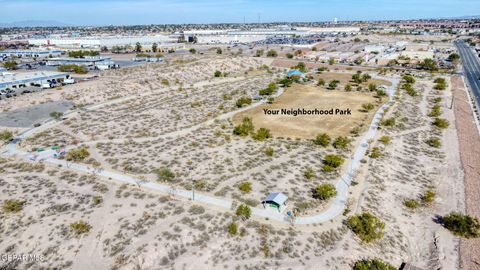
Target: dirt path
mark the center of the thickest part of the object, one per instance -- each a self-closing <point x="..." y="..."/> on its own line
<point x="469" y="141"/>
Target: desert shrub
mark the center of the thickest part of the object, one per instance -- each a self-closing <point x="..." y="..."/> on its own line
<point x="436" y="111"/>
<point x="389" y="122"/>
<point x="372" y="264"/>
<point x="428" y="197"/>
<point x="366" y="226"/>
<point x="217" y="73"/>
<point x="381" y="93"/>
<point x="196" y="210"/>
<point x="408" y="79"/>
<point x="411" y="203"/>
<point x="324" y="191"/>
<point x="164" y="174"/>
<point x="245" y="187"/>
<point x="232" y="228"/>
<point x="333" y="161"/>
<point x="262" y="134"/>
<point x="12" y="206"/>
<point x="6" y="135"/>
<point x="367" y="107"/>
<point x="80" y="227"/>
<point x="434" y="142"/>
<point x="272" y="53"/>
<point x="341" y="142"/>
<point x="245" y="128"/>
<point x="385" y="139"/>
<point x="56" y="115"/>
<point x="372" y="87"/>
<point x="243" y="101"/>
<point x="322" y="139"/>
<point x="309" y="173"/>
<point x="441" y="123"/>
<point x="375" y="153"/>
<point x="410" y="90"/>
<point x="269" y="151"/>
<point x="77" y="154"/>
<point x="244" y="211"/>
<point x="321" y="82"/>
<point x="462" y="225"/>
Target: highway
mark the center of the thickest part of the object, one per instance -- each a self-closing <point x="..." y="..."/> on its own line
<point x="471" y="68"/>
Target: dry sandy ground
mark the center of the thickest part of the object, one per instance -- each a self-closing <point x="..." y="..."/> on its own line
<point x="136" y="229"/>
<point x="308" y="126"/>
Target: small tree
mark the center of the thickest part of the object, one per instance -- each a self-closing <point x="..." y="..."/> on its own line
<point x="219" y="51"/>
<point x="322" y="139"/>
<point x="244" y="211"/>
<point x="462" y="225"/>
<point x="332" y="161"/>
<point x="154" y="47"/>
<point x="138" y="47"/>
<point x="366" y="226"/>
<point x="324" y="191"/>
<point x="243" y="101"/>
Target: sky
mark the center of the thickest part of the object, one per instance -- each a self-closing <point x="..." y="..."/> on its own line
<point x="126" y="12"/>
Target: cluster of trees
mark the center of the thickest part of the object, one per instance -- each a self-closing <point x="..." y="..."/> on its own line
<point x="324" y="140"/>
<point x="366" y="226"/>
<point x="271" y="89"/>
<point x="82" y="54"/>
<point x="359" y="78"/>
<point x="79" y="154"/>
<point x="429" y="64"/>
<point x="407" y="85"/>
<point x="79" y="69"/>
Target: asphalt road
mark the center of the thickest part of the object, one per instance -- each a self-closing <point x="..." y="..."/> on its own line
<point x="471" y="68"/>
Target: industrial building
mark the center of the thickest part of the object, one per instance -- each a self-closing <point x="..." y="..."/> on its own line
<point x="90" y="61"/>
<point x="30" y="53"/>
<point x="10" y="80"/>
<point x="101" y="41"/>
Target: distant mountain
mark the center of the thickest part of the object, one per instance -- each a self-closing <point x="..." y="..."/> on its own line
<point x="467" y="17"/>
<point x="35" y="23"/>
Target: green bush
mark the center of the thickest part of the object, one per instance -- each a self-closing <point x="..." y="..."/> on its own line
<point x="462" y="225"/>
<point x="77" y="154"/>
<point x="243" y="101"/>
<point x="332" y="160"/>
<point x="217" y="73"/>
<point x="375" y="153"/>
<point x="262" y="134"/>
<point x="434" y="142"/>
<point x="441" y="123"/>
<point x="385" y="139"/>
<point x="367" y="107"/>
<point x="409" y="79"/>
<point x="80" y="227"/>
<point x="321" y="82"/>
<point x="244" y="211"/>
<point x="6" y="135"/>
<point x="366" y="226"/>
<point x="412" y="203"/>
<point x="436" y="111"/>
<point x="389" y="122"/>
<point x="12" y="206"/>
<point x="324" y="191"/>
<point x="245" y="187"/>
<point x="232" y="228"/>
<point x="373" y="264"/>
<point x="245" y="128"/>
<point x="322" y="139"/>
<point x="341" y="142"/>
<point x="309" y="173"/>
<point x="79" y="69"/>
<point x="428" y="197"/>
<point x="269" y="151"/>
<point x="164" y="174"/>
<point x="272" y="53"/>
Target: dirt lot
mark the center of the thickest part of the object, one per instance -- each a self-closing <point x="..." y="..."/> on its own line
<point x="308" y="126"/>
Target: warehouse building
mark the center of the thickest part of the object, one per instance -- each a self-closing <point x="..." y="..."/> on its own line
<point x="30" y="53"/>
<point x="89" y="61"/>
<point x="45" y="79"/>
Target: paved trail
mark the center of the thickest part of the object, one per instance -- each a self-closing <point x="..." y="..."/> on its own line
<point x="335" y="209"/>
